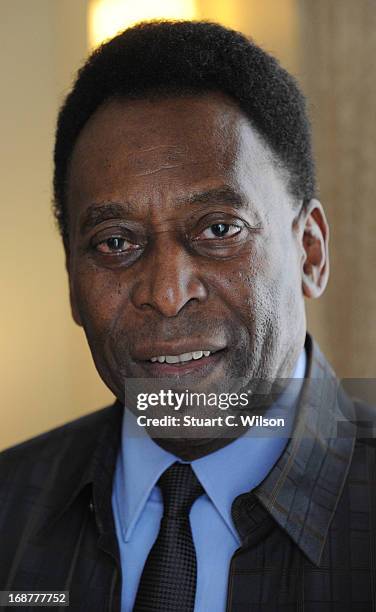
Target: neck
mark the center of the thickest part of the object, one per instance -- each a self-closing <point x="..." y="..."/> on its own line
<point x="189" y="450"/>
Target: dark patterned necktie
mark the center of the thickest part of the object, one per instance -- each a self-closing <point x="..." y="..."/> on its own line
<point x="168" y="581"/>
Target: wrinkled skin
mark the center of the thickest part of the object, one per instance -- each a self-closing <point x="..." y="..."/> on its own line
<point x="175" y="279"/>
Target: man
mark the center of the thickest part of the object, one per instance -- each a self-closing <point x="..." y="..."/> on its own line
<point x="185" y="195"/>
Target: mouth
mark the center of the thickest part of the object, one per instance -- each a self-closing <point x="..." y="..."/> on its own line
<point x="197" y="361"/>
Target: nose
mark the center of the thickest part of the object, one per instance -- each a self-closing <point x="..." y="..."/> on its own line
<point x="168" y="280"/>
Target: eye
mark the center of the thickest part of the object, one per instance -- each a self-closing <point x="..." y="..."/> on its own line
<point x="115" y="245"/>
<point x="220" y="230"/>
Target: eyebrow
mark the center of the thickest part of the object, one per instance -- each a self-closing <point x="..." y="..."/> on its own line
<point x="96" y="213"/>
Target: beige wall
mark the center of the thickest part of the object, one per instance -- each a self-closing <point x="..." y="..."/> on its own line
<point x="46" y="372"/>
<point x="338" y="47"/>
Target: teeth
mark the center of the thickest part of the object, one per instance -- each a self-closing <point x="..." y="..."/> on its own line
<point x="180" y="358"/>
<point x="172" y="359"/>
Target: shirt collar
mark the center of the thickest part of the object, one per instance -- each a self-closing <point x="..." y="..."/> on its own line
<point x="224" y="474"/>
<point x="141" y="463"/>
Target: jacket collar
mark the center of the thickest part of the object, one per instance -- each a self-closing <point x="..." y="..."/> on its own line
<point x="84" y="466"/>
<point x="302" y="490"/>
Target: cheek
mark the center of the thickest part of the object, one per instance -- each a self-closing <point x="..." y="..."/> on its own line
<point x="99" y="297"/>
<point x="264" y="287"/>
<point x="256" y="283"/>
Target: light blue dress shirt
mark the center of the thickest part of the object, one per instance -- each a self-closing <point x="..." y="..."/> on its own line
<point x="235" y="469"/>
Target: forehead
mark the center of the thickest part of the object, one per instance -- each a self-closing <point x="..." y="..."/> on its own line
<point x="199" y="123"/>
<point x="156" y="148"/>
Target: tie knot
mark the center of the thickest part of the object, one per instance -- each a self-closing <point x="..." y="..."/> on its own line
<point x="180" y="488"/>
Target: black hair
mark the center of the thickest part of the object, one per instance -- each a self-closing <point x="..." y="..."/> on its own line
<point x="184" y="57"/>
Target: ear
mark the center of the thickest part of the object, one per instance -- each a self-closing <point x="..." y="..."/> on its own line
<point x="315" y="241"/>
<point x="72" y="296"/>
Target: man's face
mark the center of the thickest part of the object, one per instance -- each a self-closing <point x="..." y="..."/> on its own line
<point x="182" y="240"/>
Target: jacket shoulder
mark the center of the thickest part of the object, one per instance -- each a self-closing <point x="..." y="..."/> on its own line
<point x="74" y="433"/>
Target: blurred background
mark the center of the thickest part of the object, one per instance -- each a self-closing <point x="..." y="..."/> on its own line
<point x="47" y="372"/>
